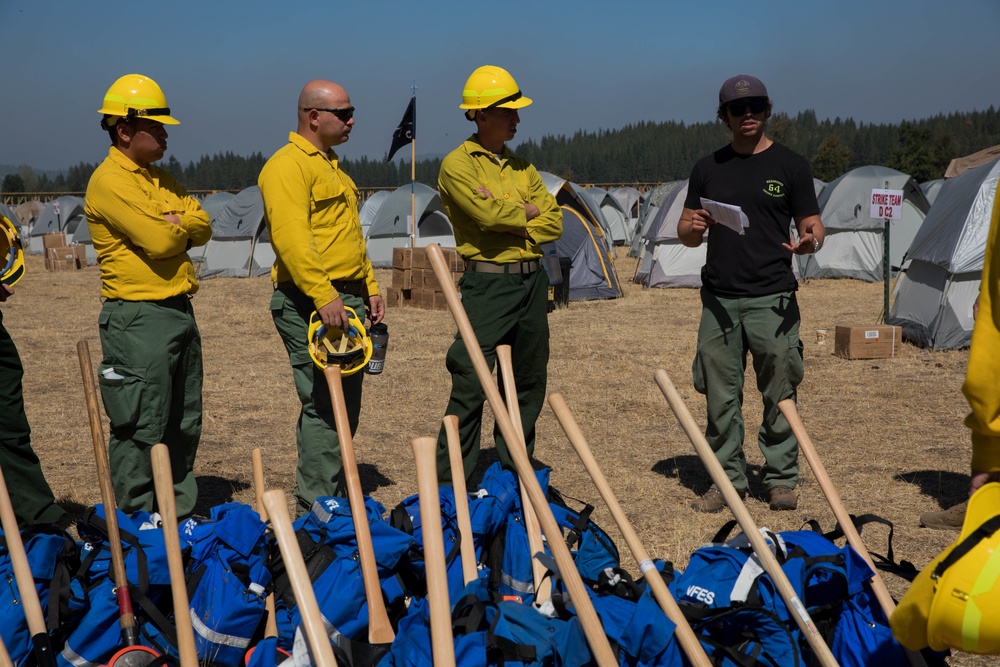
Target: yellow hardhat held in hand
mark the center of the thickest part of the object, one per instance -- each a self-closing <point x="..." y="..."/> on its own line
<point x="953" y="602"/>
<point x="11" y="253"/>
<point x="350" y="350"/>
<point x="964" y="613"/>
<point x="135" y="95"/>
<point x="490" y="86"/>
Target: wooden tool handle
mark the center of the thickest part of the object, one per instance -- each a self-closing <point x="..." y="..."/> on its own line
<point x="809" y="450"/>
<point x="596" y="639"/>
<point x="542" y="592"/>
<point x="305" y="596"/>
<point x="468" y="549"/>
<point x="379" y="628"/>
<point x="257" y="464"/>
<point x="767" y="560"/>
<point x="40" y="642"/>
<point x="442" y="640"/>
<point x="126" y="614"/>
<point x="163" y="481"/>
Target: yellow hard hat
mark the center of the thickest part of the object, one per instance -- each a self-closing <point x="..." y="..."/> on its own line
<point x="963" y="614"/>
<point x="489" y="87"/>
<point x="135" y="95"/>
<point x="11" y="253"/>
<point x="350" y="350"/>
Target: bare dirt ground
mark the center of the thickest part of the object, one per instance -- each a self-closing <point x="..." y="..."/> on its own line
<point x="888" y="431"/>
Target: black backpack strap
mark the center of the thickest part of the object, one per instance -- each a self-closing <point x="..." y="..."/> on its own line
<point x="499" y="650"/>
<point x="984" y="531"/>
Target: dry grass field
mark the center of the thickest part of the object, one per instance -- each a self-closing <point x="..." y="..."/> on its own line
<point x="889" y="431"/>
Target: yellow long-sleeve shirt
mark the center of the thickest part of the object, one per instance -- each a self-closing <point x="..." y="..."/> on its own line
<point x="480" y="221"/>
<point x="312" y="215"/>
<point x="142" y="256"/>
<point x="982" y="379"/>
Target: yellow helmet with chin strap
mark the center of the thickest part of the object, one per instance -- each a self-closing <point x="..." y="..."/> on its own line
<point x="349" y="349"/>
<point x="135" y="96"/>
<point x="963" y="613"/>
<point x="488" y="87"/>
<point x="11" y="253"/>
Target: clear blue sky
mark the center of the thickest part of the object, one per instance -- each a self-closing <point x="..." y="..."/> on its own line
<point x="232" y="70"/>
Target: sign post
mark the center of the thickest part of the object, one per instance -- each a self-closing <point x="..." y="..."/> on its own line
<point x="888" y="205"/>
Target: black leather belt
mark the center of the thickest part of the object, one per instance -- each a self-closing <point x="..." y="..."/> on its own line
<point x="179" y="302"/>
<point x="352" y="287"/>
<point x="522" y="268"/>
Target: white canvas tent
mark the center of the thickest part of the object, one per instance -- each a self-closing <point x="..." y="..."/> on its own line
<point x="665" y="261"/>
<point x="240" y="245"/>
<point x="931" y="189"/>
<point x="370" y="209"/>
<point x="389" y="227"/>
<point x="853" y="244"/>
<point x="650" y="205"/>
<point x="631" y="202"/>
<point x="936" y="291"/>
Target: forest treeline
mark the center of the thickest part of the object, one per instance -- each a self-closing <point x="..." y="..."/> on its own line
<point x="645" y="152"/>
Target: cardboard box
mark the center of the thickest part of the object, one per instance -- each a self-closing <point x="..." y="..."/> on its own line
<point x="53" y="240"/>
<point x="401" y="258"/>
<point x="873" y="342"/>
<point x="397" y="298"/>
<point x="431" y="281"/>
<point x="62" y="265"/>
<point x="429" y="299"/>
<point x="80" y="254"/>
<point x="402" y="279"/>
<point x="56" y="259"/>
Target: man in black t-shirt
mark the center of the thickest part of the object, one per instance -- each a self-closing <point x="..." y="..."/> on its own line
<point x="748" y="288"/>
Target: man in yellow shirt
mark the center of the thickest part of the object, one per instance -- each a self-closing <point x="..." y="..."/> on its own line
<point x="320" y="265"/>
<point x="501" y="213"/>
<point x="142" y="223"/>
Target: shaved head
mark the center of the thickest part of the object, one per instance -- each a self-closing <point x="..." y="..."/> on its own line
<point x="321" y="128"/>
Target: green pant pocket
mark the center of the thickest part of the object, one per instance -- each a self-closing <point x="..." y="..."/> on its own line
<point x="122" y="388"/>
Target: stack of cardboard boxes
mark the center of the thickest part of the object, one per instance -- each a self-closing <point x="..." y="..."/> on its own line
<point x="62" y="257"/>
<point x="414" y="282"/>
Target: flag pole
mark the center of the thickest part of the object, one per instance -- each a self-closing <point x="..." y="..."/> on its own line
<point x="413" y="169"/>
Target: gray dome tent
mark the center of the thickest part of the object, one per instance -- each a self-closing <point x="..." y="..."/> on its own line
<point x="240" y="245"/>
<point x="936" y="291"/>
<point x="853" y="244"/>
<point x="389" y="230"/>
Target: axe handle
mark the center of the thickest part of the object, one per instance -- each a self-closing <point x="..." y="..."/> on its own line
<point x="259" y="487"/>
<point x="469" y="570"/>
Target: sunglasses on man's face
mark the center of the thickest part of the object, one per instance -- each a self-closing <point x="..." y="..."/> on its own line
<point x="740" y="108"/>
<point x="343" y="115"/>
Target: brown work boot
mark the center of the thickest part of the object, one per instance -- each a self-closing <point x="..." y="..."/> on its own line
<point x="712" y="501"/>
<point x="784" y="498"/>
<point x="951" y="518"/>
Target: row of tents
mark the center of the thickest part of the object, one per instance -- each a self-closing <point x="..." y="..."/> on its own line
<point x="240" y="244"/>
<point x="936" y="250"/>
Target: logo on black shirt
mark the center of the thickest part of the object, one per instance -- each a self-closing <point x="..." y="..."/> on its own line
<point x="774" y="188"/>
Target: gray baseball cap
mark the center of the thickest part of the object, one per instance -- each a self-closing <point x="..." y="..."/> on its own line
<point x="741" y="86"/>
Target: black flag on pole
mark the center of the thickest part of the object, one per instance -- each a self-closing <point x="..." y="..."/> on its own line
<point x="405" y="133"/>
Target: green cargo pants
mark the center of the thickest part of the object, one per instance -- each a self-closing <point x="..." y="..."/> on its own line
<point x="150" y="380"/>
<point x="29" y="493"/>
<point x="768" y="328"/>
<point x="319" y="466"/>
<point x="502" y="309"/>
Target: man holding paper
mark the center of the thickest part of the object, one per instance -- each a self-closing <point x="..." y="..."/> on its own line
<point x="748" y="193"/>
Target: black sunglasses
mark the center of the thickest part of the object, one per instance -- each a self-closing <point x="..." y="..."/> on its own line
<point x="344" y="115"/>
<point x="740" y="108"/>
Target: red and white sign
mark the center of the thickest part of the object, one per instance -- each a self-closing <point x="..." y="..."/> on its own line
<point x="887" y="204"/>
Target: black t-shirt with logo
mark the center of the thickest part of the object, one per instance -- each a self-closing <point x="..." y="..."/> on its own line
<point x="772" y="187"/>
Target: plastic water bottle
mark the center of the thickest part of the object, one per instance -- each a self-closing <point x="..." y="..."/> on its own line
<point x="379" y="334"/>
<point x="551" y="263"/>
